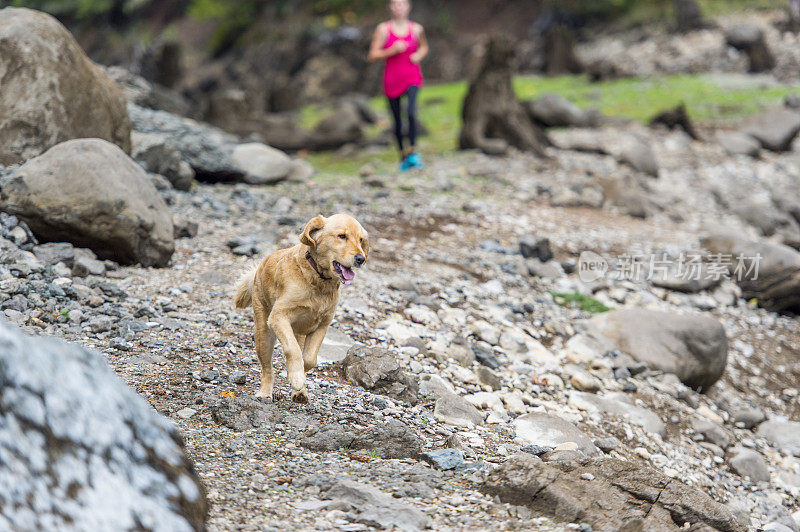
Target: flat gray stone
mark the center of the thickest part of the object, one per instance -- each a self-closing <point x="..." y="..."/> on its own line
<point x="619" y="404"/>
<point x="775" y="129"/>
<point x="749" y="463"/>
<point x="454" y="410"/>
<point x="785" y="435"/>
<point x="737" y="143"/>
<point x="547" y="430"/>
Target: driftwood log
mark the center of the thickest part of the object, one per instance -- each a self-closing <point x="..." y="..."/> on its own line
<point x="494" y="119"/>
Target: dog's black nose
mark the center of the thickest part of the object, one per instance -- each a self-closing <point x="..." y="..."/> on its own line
<point x="359" y="259"/>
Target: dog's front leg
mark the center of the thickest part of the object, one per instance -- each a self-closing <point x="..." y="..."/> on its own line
<point x="281" y="324"/>
<point x="311" y="348"/>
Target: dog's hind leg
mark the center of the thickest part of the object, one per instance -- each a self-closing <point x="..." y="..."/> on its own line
<point x="265" y="343"/>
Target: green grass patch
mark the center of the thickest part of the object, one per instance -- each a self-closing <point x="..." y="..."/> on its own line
<point x="583" y="302"/>
<point x="726" y="7"/>
<point x="708" y="97"/>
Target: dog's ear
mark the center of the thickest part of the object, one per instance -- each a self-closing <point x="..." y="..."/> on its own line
<point x="312" y="230"/>
<point x="365" y="246"/>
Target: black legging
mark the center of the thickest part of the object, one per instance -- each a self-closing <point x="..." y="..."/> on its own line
<point x="411" y="108"/>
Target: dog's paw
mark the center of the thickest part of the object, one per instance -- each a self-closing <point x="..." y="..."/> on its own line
<point x="266" y="396"/>
<point x="300" y="397"/>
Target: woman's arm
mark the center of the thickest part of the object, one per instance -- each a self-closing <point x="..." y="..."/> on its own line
<point x="376" y="49"/>
<point x="420" y="54"/>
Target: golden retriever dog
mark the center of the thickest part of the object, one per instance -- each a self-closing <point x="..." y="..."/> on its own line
<point x="294" y="293"/>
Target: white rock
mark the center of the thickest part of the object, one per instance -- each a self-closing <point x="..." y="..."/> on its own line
<point x="514" y="402"/>
<point x="582" y="348"/>
<point x="707" y="413"/>
<point x="514" y="340"/>
<point x="462" y="374"/>
<point x="487" y="332"/>
<point x="453" y="317"/>
<point x="399" y="332"/>
<point x="586" y="382"/>
<point x="186" y="413"/>
<point x="262" y="164"/>
<point x="334" y="347"/>
<point x="421" y="314"/>
<point x="486" y="400"/>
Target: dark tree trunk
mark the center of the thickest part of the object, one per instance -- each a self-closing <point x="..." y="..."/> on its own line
<point x="493" y="118"/>
<point x="688" y="15"/>
<point x="559" y="51"/>
<point x="794" y="15"/>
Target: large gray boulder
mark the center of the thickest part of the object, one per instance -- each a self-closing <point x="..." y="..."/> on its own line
<point x="155" y="155"/>
<point x="262" y="164"/>
<point x="89" y="193"/>
<point x="607" y="494"/>
<point x="378" y="370"/>
<point x="51" y="92"/>
<point x="769" y="220"/>
<point x="692" y="346"/>
<point x="368" y="505"/>
<point x="775" y="283"/>
<point x="208" y="150"/>
<point x="775" y="130"/>
<point x="619" y="404"/>
<point x="79" y="450"/>
<point x="738" y="143"/>
<point x="750" y="39"/>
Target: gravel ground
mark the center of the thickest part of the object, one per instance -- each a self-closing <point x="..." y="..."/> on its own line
<point x="445" y="261"/>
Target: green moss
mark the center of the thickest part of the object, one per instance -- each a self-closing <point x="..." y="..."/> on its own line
<point x="583" y="302"/>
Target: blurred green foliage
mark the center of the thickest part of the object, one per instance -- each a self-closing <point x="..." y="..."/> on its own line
<point x="80" y="9"/>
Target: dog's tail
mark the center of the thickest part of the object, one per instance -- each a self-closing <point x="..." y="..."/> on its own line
<point x="244" y="289"/>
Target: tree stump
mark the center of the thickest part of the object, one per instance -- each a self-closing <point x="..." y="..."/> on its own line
<point x="493" y="118"/>
<point x="559" y="51"/>
<point x="676" y="118"/>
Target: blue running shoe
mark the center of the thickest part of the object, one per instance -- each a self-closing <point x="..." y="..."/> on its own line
<point x="415" y="160"/>
<point x="406" y="165"/>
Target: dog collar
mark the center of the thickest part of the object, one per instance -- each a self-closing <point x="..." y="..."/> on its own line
<point x="313" y="264"/>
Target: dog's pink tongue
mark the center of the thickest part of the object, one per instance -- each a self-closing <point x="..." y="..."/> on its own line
<point x="348" y="274"/>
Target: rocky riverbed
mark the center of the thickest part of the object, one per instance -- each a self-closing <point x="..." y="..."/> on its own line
<point x="466" y="357"/>
<point x="601" y="338"/>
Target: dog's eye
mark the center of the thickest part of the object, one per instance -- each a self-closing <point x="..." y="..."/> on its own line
<point x="343" y="236"/>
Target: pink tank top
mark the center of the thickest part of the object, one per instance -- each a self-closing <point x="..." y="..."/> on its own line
<point x="400" y="73"/>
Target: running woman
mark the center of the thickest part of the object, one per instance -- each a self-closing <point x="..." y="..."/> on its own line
<point x="403" y="45"/>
